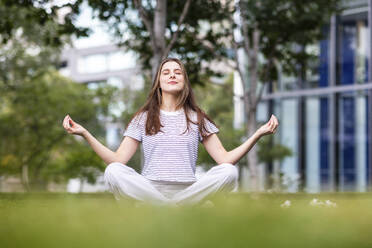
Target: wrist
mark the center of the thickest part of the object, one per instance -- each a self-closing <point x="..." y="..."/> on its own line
<point x="257" y="135"/>
<point x="85" y="133"/>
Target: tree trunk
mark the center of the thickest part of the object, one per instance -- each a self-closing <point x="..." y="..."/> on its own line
<point x="252" y="158"/>
<point x="81" y="186"/>
<point x="276" y="177"/>
<point x="155" y="61"/>
<point x="160" y="17"/>
<point x="25" y="179"/>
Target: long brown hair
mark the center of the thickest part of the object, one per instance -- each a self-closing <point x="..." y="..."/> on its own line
<point x="186" y="100"/>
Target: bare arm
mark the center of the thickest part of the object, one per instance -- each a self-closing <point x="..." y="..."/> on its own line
<point x="215" y="148"/>
<point x="123" y="154"/>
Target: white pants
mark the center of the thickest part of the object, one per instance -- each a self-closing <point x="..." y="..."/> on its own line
<point x="125" y="182"/>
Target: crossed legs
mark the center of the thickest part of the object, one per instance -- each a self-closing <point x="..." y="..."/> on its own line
<point x="125" y="182"/>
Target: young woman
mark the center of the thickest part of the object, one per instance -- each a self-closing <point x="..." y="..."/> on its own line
<point x="170" y="126"/>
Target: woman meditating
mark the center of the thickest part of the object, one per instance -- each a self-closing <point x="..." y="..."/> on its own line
<point x="170" y="126"/>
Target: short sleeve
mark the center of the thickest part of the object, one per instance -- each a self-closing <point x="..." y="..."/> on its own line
<point x="134" y="130"/>
<point x="211" y="128"/>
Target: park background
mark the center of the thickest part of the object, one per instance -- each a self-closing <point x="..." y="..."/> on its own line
<point x="306" y="63"/>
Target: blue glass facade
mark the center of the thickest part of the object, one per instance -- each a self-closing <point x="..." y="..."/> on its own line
<point x="347" y="53"/>
<point x="347" y="143"/>
<point x="324" y="143"/>
<point x="368" y="132"/>
<point x="324" y="58"/>
<point x="336" y="116"/>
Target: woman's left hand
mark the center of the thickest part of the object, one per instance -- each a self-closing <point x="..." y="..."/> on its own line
<point x="269" y="128"/>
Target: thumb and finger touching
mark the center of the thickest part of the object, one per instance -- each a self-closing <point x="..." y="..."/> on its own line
<point x="68" y="123"/>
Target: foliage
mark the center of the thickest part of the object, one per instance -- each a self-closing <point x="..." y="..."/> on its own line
<point x="31" y="123"/>
<point x="80" y="161"/>
<point x="133" y="100"/>
<point x="203" y="26"/>
<point x="41" y="23"/>
<point x="268" y="152"/>
<point x="34" y="98"/>
<point x="217" y="101"/>
<point x="285" y="28"/>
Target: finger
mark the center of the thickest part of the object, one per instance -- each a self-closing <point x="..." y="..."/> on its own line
<point x="273" y="126"/>
<point x="65" y="125"/>
<point x="272" y="118"/>
<point x="276" y="121"/>
<point x="272" y="123"/>
<point x="269" y="124"/>
<point x="64" y="121"/>
<point x="67" y="122"/>
<point x="275" y="130"/>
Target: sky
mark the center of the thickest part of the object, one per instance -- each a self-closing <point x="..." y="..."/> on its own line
<point x="98" y="36"/>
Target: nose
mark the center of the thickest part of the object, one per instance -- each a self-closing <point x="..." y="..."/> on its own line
<point x="172" y="75"/>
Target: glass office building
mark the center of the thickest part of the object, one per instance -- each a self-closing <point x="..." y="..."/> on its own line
<point x="326" y="118"/>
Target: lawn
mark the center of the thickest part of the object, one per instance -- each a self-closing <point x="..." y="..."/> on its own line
<point x="241" y="220"/>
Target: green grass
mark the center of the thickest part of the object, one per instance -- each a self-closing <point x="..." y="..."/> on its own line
<point x="241" y="220"/>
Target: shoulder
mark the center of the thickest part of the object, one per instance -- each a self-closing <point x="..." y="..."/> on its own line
<point x="193" y="116"/>
<point x="140" y="118"/>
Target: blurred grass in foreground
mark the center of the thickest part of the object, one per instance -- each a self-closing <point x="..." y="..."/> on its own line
<point x="241" y="220"/>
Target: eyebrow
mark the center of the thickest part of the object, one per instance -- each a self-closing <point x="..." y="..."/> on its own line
<point x="169" y="69"/>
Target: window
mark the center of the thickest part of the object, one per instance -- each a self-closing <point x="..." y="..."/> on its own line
<point x="92" y="63"/>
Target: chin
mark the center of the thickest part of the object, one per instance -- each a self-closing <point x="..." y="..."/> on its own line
<point x="172" y="92"/>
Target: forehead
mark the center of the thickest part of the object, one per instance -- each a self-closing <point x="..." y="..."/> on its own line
<point x="171" y="65"/>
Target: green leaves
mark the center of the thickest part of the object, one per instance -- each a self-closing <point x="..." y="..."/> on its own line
<point x="217" y="102"/>
<point x="123" y="22"/>
<point x="38" y="22"/>
<point x="286" y="25"/>
<point x="31" y="125"/>
<point x="268" y="151"/>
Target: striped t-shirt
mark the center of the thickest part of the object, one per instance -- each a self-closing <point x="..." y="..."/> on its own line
<point x="170" y="155"/>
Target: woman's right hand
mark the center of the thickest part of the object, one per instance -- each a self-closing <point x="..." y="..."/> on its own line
<point x="73" y="127"/>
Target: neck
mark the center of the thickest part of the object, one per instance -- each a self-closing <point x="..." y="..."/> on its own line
<point x="168" y="102"/>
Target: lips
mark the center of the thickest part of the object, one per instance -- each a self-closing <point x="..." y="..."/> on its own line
<point x="172" y="82"/>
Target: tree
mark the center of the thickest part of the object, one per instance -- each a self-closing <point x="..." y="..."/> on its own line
<point x="38" y="22"/>
<point x="133" y="100"/>
<point x="156" y="29"/>
<point x="268" y="152"/>
<point x="217" y="101"/>
<point x="31" y="117"/>
<point x="278" y="31"/>
<point x="34" y="97"/>
<point x="78" y="161"/>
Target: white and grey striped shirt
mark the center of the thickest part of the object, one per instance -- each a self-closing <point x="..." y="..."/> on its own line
<point x="170" y="155"/>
